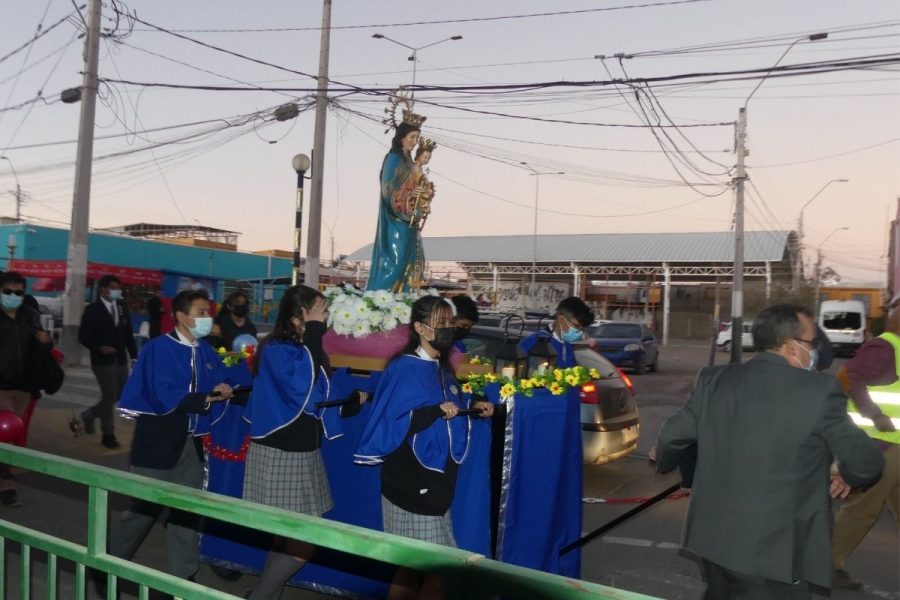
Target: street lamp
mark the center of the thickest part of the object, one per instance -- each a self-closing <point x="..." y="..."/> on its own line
<point x="18" y="188"/>
<point x="740" y="176"/>
<point x="301" y="165"/>
<point x="798" y="267"/>
<point x="819" y="268"/>
<point x="537" y="188"/>
<point x="414" y="57"/>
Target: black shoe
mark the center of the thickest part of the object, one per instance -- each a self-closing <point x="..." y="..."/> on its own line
<point x="843" y="581"/>
<point x="110" y="441"/>
<point x="87" y="417"/>
<point x="10" y="498"/>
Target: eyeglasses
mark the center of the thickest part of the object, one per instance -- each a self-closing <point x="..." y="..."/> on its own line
<point x="810" y="342"/>
<point x="10" y="292"/>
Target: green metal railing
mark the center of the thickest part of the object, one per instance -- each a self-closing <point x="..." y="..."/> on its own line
<point x="466" y="575"/>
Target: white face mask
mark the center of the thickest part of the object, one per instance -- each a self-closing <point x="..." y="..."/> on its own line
<point x="115" y="294"/>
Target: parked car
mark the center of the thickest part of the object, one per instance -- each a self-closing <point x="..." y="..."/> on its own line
<point x="610" y="423"/>
<point x="723" y="340"/>
<point x="626" y="344"/>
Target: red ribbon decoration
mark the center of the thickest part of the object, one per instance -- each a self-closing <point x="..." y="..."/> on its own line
<point x="222" y="453"/>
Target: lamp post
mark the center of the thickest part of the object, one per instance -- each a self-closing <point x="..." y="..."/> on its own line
<point x="414" y="57"/>
<point x="301" y="164"/>
<point x="798" y="263"/>
<point x="819" y="269"/>
<point x="18" y="193"/>
<point x="740" y="176"/>
<point x="11" y="246"/>
<point x="537" y="189"/>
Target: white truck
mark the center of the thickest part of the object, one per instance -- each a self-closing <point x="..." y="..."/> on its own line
<point x="844" y="322"/>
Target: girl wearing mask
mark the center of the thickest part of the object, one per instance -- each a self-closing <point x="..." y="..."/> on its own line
<point x="232" y="321"/>
<point x="413" y="434"/>
<point x="284" y="464"/>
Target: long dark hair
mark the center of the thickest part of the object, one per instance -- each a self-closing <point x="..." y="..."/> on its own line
<point x="427" y="310"/>
<point x="294" y="300"/>
<point x="225" y="309"/>
<point x="403" y="130"/>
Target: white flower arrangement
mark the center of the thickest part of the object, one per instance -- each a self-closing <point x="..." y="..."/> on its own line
<point x="355" y="313"/>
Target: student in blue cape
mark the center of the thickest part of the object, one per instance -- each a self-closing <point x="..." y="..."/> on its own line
<point x="176" y="379"/>
<point x="413" y="434"/>
<point x="572" y="316"/>
<point x="284" y="463"/>
<point x="465" y="315"/>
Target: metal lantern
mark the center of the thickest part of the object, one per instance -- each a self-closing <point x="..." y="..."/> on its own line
<point x="510" y="360"/>
<point x="542" y="356"/>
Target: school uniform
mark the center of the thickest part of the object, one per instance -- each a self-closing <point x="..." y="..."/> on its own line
<point x="418" y="449"/>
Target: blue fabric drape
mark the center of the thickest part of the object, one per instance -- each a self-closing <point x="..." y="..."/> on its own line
<point x="396" y="242"/>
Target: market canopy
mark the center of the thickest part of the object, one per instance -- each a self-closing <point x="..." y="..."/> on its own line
<point x="51" y="274"/>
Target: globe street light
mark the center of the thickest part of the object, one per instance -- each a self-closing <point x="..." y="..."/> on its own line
<point x="301" y="164"/>
<point x="819" y="268"/>
<point x="414" y="57"/>
<point x="798" y="267"/>
<point x="537" y="187"/>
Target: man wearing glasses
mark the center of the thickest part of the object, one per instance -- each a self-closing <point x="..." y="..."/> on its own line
<point x="20" y="330"/>
<point x="763" y="435"/>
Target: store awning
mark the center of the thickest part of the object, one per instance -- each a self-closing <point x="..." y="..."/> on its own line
<point x="50" y="272"/>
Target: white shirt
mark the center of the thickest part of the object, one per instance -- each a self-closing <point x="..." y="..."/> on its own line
<point x="112" y="308"/>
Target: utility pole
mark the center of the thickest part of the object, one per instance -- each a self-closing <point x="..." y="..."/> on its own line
<point x="737" y="289"/>
<point x="20" y="197"/>
<point x="76" y="264"/>
<point x="818" y="284"/>
<point x="318" y="155"/>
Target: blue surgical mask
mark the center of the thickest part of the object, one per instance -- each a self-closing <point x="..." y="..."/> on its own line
<point x="115" y="294"/>
<point x="11" y="301"/>
<point x="202" y="327"/>
<point x="572" y="335"/>
<point x="813" y="359"/>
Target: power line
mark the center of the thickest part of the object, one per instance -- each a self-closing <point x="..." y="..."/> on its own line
<point x="809" y="160"/>
<point x="39" y="34"/>
<point x="438" y="22"/>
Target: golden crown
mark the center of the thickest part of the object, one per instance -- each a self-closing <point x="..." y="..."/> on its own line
<point x="427" y="145"/>
<point x="414" y="119"/>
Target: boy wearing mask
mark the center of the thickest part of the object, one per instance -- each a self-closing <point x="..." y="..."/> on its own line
<point x="572" y="316"/>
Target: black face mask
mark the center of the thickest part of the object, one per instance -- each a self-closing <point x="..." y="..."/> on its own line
<point x="240" y="310"/>
<point x="443" y="338"/>
<point x="460" y="333"/>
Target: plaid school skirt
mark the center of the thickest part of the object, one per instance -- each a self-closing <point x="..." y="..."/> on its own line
<point x="426" y="528"/>
<point x="294" y="481"/>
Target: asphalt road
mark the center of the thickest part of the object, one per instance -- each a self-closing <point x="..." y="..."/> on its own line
<point x="640" y="555"/>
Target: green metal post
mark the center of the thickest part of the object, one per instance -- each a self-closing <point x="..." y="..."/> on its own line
<point x="98" y="500"/>
<point x="79" y="581"/>
<point x="51" y="576"/>
<point x="25" y="573"/>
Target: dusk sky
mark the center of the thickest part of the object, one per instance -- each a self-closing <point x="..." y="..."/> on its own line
<point x="803" y="131"/>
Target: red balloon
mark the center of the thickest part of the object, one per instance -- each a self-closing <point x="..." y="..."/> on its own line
<point x="11" y="427"/>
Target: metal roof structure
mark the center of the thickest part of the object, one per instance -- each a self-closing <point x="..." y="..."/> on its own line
<point x="682" y="257"/>
<point x="760" y="246"/>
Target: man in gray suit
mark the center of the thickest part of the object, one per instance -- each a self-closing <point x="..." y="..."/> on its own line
<point x="764" y="435"/>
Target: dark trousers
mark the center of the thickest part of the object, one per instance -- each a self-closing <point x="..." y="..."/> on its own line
<point x="182" y="529"/>
<point x="112" y="381"/>
<point x="723" y="584"/>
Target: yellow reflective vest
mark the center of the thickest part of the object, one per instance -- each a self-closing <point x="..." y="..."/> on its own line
<point x="887" y="397"/>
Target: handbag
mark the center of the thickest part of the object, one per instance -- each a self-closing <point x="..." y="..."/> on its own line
<point x="46" y="372"/>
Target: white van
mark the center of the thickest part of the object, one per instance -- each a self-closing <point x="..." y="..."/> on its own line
<point x="844" y="322"/>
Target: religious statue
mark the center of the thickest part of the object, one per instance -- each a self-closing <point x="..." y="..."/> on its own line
<point x="398" y="261"/>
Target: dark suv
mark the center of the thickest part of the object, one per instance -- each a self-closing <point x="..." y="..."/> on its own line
<point x="610" y="423"/>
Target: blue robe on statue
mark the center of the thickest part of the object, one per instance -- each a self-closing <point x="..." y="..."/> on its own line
<point x="396" y="244"/>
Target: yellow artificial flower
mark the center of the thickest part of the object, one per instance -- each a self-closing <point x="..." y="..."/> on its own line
<point x="572" y="379"/>
<point x="556" y="389"/>
<point x="536" y="382"/>
<point x="594" y="373"/>
<point x="507" y="391"/>
<point x="526" y="384"/>
<point x="490" y="377"/>
<point x="222" y="350"/>
<point x="558" y="374"/>
<point x="475" y="361"/>
<point x="467" y="388"/>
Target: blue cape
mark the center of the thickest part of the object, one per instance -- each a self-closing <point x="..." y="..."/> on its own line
<point x="565" y="354"/>
<point x="408" y="383"/>
<point x="162" y="378"/>
<point x="285" y="387"/>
